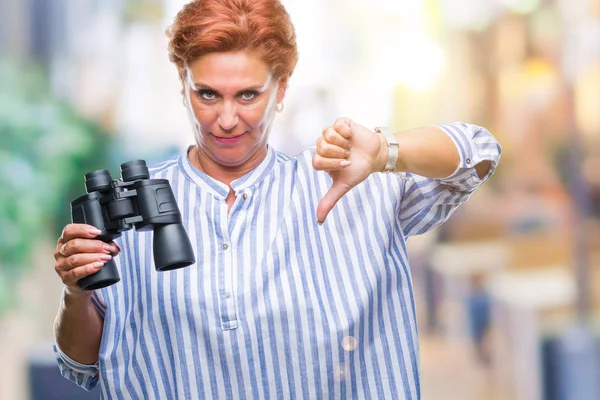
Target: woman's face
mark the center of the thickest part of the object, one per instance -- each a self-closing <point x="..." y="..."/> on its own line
<point x="231" y="100"/>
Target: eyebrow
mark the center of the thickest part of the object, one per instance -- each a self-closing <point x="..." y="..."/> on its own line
<point x="254" y="88"/>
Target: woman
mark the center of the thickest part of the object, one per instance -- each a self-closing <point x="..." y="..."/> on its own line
<point x="301" y="287"/>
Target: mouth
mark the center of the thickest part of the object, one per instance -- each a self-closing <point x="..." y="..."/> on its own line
<point x="228" y="139"/>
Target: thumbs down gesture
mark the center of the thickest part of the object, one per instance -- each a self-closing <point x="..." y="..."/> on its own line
<point x="349" y="152"/>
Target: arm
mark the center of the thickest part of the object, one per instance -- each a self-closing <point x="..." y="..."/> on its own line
<point x="78" y="327"/>
<point x="433" y="193"/>
<point x="79" y="322"/>
<point x="430" y="152"/>
<point x="445" y="164"/>
<point x="77" y="335"/>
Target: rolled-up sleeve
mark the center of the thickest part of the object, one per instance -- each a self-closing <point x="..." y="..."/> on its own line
<point x="83" y="375"/>
<point x="426" y="202"/>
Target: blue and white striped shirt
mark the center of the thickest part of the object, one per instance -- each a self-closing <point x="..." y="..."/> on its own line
<point x="277" y="306"/>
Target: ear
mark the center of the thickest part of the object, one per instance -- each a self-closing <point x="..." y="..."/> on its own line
<point x="283" y="83"/>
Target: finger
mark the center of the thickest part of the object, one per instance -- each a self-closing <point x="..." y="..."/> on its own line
<point x="329" y="164"/>
<point x="333" y="137"/>
<point x="330" y="199"/>
<point x="78" y="245"/>
<point x="78" y="260"/>
<point x="71" y="277"/>
<point x="117" y="249"/>
<point x="61" y="250"/>
<point x="328" y="150"/>
<point x="72" y="231"/>
<point x="344" y="127"/>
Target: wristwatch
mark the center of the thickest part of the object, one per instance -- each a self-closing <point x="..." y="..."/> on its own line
<point x="392" y="143"/>
<point x="393" y="147"/>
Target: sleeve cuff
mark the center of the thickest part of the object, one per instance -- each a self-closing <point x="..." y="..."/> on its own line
<point x="83" y="375"/>
<point x="474" y="144"/>
<point x="74" y="365"/>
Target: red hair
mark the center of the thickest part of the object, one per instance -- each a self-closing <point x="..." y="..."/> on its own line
<point x="216" y="26"/>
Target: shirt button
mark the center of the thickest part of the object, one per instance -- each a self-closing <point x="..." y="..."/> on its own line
<point x="225" y="246"/>
<point x="227" y="295"/>
<point x="244" y="196"/>
<point x="468" y="161"/>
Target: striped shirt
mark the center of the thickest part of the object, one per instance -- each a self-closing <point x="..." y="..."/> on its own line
<point x="277" y="306"/>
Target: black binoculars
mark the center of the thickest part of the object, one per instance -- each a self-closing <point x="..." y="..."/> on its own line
<point x="117" y="205"/>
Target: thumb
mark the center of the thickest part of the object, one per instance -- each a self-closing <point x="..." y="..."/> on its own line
<point x="330" y="199"/>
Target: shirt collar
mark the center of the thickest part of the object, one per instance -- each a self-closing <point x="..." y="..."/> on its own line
<point x="219" y="188"/>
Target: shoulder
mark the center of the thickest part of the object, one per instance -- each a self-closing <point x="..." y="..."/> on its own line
<point x="302" y="158"/>
<point x="162" y="168"/>
<point x="300" y="163"/>
<point x="302" y="155"/>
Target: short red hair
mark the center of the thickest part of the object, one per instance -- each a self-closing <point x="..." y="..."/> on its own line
<point x="217" y="26"/>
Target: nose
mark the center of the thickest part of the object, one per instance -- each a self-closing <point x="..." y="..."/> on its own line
<point x="228" y="117"/>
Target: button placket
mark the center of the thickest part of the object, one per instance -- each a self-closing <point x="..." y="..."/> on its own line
<point x="226" y="305"/>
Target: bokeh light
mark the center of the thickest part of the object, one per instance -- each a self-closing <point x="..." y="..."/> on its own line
<point x="349" y="343"/>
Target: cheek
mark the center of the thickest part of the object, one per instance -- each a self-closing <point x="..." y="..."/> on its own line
<point x="206" y="116"/>
<point x="252" y="117"/>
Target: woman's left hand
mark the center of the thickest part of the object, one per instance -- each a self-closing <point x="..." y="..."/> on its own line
<point x="349" y="152"/>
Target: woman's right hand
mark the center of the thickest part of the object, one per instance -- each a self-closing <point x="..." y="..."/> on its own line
<point x="78" y="254"/>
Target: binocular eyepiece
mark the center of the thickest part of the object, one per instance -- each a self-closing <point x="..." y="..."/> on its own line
<point x="134" y="201"/>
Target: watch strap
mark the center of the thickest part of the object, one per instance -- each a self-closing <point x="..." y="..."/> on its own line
<point x="393" y="147"/>
<point x="392" y="143"/>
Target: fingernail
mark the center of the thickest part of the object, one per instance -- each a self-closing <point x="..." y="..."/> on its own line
<point x="345" y="163"/>
<point x="109" y="248"/>
<point x="95" y="231"/>
<point x="98" y="264"/>
<point x="105" y="257"/>
<point x="320" y="223"/>
<point x="347" y="154"/>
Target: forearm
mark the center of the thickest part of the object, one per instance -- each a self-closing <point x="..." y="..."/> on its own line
<point x="426" y="151"/>
<point x="429" y="152"/>
<point x="78" y="328"/>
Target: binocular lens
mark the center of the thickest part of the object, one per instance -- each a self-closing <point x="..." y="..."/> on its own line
<point x="172" y="248"/>
<point x="134" y="170"/>
<point x="97" y="180"/>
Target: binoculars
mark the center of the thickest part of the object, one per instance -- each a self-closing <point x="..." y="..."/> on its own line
<point x="117" y="205"/>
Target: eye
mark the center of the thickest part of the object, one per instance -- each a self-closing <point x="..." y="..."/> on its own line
<point x="207" y="95"/>
<point x="249" y="95"/>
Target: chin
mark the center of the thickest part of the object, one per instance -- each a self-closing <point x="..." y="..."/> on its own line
<point x="231" y="157"/>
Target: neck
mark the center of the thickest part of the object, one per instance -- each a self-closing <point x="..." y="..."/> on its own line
<point x="226" y="174"/>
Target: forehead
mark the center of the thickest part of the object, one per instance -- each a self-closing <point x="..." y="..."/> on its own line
<point x="229" y="71"/>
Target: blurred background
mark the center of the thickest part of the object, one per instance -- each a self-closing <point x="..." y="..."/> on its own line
<point x="508" y="289"/>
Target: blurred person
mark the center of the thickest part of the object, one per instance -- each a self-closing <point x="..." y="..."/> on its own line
<point x="478" y="306"/>
<point x="301" y="287"/>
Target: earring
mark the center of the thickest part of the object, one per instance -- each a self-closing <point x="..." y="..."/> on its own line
<point x="184" y="100"/>
<point x="280" y="107"/>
